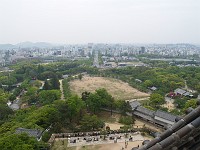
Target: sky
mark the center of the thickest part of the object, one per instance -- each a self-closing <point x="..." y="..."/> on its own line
<point x="100" y="21"/>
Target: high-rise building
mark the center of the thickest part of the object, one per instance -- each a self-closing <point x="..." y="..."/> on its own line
<point x="142" y="50"/>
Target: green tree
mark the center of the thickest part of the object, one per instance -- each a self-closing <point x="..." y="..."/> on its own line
<point x="42" y="117"/>
<point x="20" y="142"/>
<point x="197" y="87"/>
<point x="180" y="103"/>
<point x="94" y="103"/>
<point x="46" y="75"/>
<point x="85" y="95"/>
<point x="5" y="111"/>
<point x="55" y="83"/>
<point x="12" y="97"/>
<point x="37" y="83"/>
<point x="66" y="88"/>
<point x="106" y="98"/>
<point x="75" y="105"/>
<point x="89" y="123"/>
<point x="40" y="69"/>
<point x="31" y="96"/>
<point x="8" y="80"/>
<point x="63" y="110"/>
<point x="156" y="99"/>
<point x="148" y="83"/>
<point x="191" y="103"/>
<point x="46" y="85"/>
<point x="124" y="107"/>
<point x="48" y="96"/>
<point x="25" y="84"/>
<point x="127" y="120"/>
<point x="80" y="76"/>
<point x="3" y="96"/>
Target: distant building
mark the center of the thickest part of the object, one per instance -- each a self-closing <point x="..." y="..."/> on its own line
<point x="153" y="88"/>
<point x="57" y="52"/>
<point x="181" y="92"/>
<point x="65" y="76"/>
<point x="90" y="45"/>
<point x="108" y="65"/>
<point x="142" y="50"/>
<point x="138" y="80"/>
<point x="30" y="132"/>
<point x="122" y="65"/>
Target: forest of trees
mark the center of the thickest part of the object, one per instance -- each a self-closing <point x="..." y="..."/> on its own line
<point x="165" y="79"/>
<point x="45" y="109"/>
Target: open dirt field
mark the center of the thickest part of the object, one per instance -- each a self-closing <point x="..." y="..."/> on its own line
<point x="138" y="124"/>
<point x="118" y="89"/>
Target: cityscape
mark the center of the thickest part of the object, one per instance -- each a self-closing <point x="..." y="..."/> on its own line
<point x="109" y="52"/>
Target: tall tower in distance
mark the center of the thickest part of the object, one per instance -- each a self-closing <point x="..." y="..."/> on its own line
<point x="142" y="50"/>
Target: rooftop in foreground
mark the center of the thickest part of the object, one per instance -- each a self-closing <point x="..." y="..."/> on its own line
<point x="183" y="135"/>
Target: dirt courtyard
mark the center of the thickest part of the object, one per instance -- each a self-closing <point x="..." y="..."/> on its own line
<point x="118" y="89"/>
<point x="112" y="146"/>
<point x="62" y="144"/>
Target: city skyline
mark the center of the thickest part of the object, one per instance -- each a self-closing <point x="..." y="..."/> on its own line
<point x="105" y="21"/>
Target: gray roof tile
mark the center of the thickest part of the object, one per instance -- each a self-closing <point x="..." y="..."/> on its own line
<point x="31" y="132"/>
<point x="145" y="111"/>
<point x="134" y="104"/>
<point x="165" y="115"/>
<point x="179" y="91"/>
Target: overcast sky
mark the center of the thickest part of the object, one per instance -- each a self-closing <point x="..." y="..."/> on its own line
<point x="107" y="21"/>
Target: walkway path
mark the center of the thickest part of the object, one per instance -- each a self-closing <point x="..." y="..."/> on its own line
<point x="61" y="89"/>
<point x="139" y="99"/>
